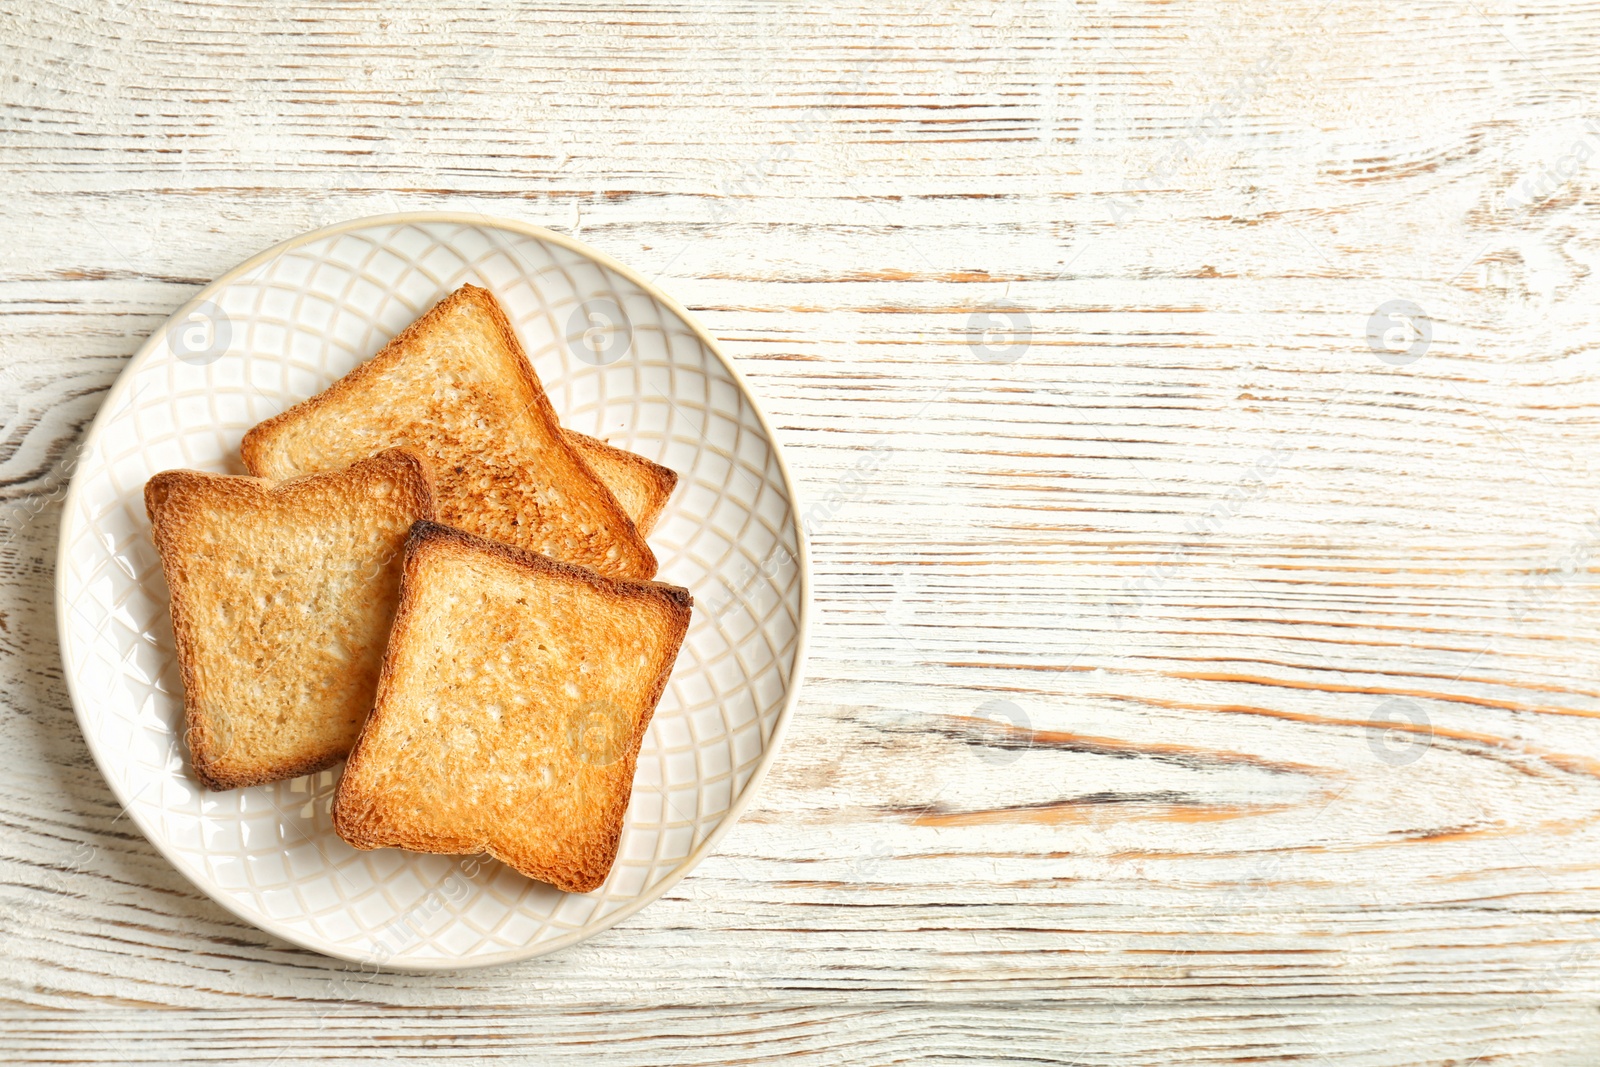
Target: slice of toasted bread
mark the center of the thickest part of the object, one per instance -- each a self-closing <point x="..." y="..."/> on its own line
<point x="282" y="597"/>
<point x="456" y="387"/>
<point x="515" y="693"/>
<point x="640" y="486"/>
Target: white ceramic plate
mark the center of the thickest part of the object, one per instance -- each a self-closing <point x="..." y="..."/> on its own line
<point x="621" y="361"/>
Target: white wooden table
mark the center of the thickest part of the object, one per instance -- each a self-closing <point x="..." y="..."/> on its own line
<point x="1195" y="679"/>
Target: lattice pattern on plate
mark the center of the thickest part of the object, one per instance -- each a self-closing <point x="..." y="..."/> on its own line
<point x="286" y="325"/>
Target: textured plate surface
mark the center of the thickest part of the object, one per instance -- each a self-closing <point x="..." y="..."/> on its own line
<point x="620" y="361"/>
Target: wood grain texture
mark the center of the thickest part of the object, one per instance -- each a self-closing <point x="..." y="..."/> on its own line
<point x="1190" y="684"/>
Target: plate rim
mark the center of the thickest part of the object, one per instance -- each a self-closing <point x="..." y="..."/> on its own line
<point x="69" y="526"/>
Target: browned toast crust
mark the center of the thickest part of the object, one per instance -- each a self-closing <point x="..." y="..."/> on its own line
<point x="640" y="485"/>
